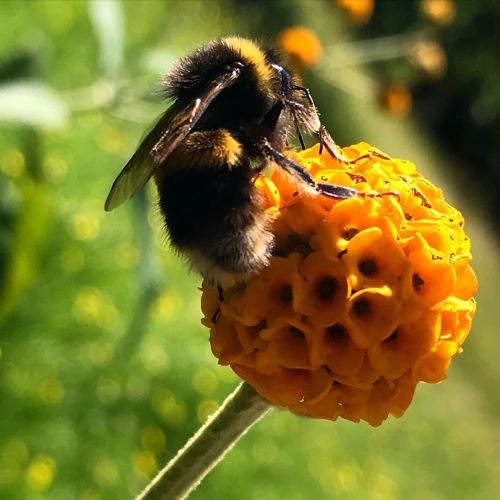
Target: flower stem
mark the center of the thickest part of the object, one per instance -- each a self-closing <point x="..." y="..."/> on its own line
<point x="208" y="446"/>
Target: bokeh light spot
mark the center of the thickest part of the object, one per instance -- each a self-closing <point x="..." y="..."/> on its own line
<point x="105" y="472"/>
<point x="51" y="391"/>
<point x="206" y="408"/>
<point x="145" y="464"/>
<point x="40" y="473"/>
<point x="153" y="439"/>
<point x="12" y="163"/>
<point x="205" y="382"/>
<point x="85" y="225"/>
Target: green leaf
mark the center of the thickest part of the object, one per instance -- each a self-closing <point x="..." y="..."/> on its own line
<point x="32" y="103"/>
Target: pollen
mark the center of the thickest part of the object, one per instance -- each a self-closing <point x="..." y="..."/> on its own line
<point x="231" y="148"/>
<point x="368" y="297"/>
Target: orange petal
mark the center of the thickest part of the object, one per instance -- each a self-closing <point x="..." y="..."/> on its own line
<point x="433" y="367"/>
<point x="466" y="285"/>
<point x="287" y="346"/>
<point x="433" y="279"/>
<point x="209" y="303"/>
<point x="377" y="408"/>
<point x="402" y="395"/>
<point x="408" y="344"/>
<point x="457" y="318"/>
<point x="224" y="341"/>
<point x="320" y="383"/>
<point x="373" y="315"/>
<point x="327" y="407"/>
<point x="374" y="259"/>
<point x="333" y="347"/>
<point x="304" y="215"/>
<point x="271" y="293"/>
<point x="271" y="194"/>
<point x="438" y="236"/>
<point x="323" y="297"/>
<point x="285" y="387"/>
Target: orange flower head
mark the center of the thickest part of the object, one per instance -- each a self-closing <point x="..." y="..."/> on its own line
<point x="301" y="45"/>
<point x="365" y="297"/>
<point x="442" y="12"/>
<point x="430" y="58"/>
<point x="396" y="99"/>
<point x="359" y="11"/>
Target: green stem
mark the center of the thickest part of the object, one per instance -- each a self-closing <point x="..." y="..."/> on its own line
<point x="208" y="446"/>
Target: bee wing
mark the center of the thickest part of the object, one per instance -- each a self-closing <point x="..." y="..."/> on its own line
<point x="171" y="129"/>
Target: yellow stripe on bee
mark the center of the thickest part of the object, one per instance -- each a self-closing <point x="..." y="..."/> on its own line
<point x="230" y="148"/>
<point x="211" y="148"/>
<point x="252" y="53"/>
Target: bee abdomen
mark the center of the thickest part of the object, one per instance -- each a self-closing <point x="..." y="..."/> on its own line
<point x="246" y="250"/>
<point x="213" y="215"/>
<point x="232" y="259"/>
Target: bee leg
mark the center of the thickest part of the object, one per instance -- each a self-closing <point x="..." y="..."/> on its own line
<point x="339" y="192"/>
<point x="308" y="95"/>
<point x="334" y="151"/>
<point x="326" y="141"/>
<point x="296" y="122"/>
<point x="306" y="92"/>
<point x="216" y="314"/>
<point x="297" y="129"/>
<point x="293" y="168"/>
<point x="268" y="124"/>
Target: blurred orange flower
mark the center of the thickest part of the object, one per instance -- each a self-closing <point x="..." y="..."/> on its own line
<point x="442" y="12"/>
<point x="301" y="45"/>
<point x="430" y="58"/>
<point x="396" y="99"/>
<point x="368" y="296"/>
<point x="359" y="11"/>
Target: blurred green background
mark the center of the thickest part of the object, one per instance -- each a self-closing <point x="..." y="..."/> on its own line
<point x="105" y="370"/>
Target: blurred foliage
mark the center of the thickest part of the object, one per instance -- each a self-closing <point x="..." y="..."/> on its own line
<point x="105" y="370"/>
<point x="460" y="104"/>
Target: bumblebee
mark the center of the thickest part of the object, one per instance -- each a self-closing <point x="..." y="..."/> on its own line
<point x="234" y="108"/>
